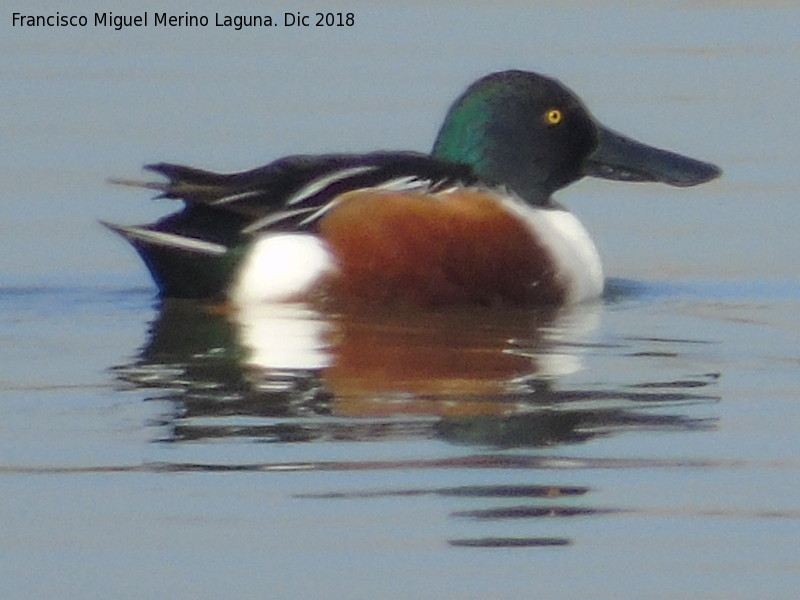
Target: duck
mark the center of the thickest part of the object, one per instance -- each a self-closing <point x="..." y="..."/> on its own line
<point x="472" y="223"/>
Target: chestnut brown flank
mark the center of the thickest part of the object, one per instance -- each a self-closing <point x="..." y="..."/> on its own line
<point x="418" y="249"/>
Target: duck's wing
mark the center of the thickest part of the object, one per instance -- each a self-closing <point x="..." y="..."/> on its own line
<point x="282" y="194"/>
<point x="189" y="252"/>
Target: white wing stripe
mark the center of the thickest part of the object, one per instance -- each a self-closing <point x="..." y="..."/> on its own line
<point x="175" y="241"/>
<point x="235" y="197"/>
<point x="320" y="184"/>
<point x="276" y="218"/>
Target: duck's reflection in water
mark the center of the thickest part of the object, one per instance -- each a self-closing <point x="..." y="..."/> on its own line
<point x="487" y="379"/>
<point x="483" y="377"/>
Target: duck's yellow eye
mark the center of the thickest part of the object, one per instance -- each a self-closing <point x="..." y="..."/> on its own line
<point x="553" y="116"/>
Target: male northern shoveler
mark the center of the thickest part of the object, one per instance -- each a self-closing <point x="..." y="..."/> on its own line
<point x="474" y="222"/>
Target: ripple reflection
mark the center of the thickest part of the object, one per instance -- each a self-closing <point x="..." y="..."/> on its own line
<point x="487" y="378"/>
<point x="501" y="384"/>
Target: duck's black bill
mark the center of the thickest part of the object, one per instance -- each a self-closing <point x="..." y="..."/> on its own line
<point x="623" y="159"/>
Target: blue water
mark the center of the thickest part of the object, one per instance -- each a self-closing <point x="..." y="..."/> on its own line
<point x="643" y="446"/>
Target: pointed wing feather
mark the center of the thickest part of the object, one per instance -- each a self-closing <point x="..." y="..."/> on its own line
<point x="190" y="253"/>
<point x="296" y="180"/>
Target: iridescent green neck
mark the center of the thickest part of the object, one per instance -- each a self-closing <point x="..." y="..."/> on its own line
<point x="463" y="136"/>
<point x="486" y="130"/>
<point x="498" y="128"/>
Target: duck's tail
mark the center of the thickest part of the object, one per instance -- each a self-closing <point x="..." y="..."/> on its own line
<point x="181" y="266"/>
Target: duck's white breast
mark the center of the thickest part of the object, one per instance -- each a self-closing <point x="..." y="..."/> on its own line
<point x="574" y="252"/>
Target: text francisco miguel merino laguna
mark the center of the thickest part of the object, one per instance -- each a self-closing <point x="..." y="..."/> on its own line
<point x="108" y="19"/>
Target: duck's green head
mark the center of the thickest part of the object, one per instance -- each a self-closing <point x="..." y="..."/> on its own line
<point x="532" y="134"/>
